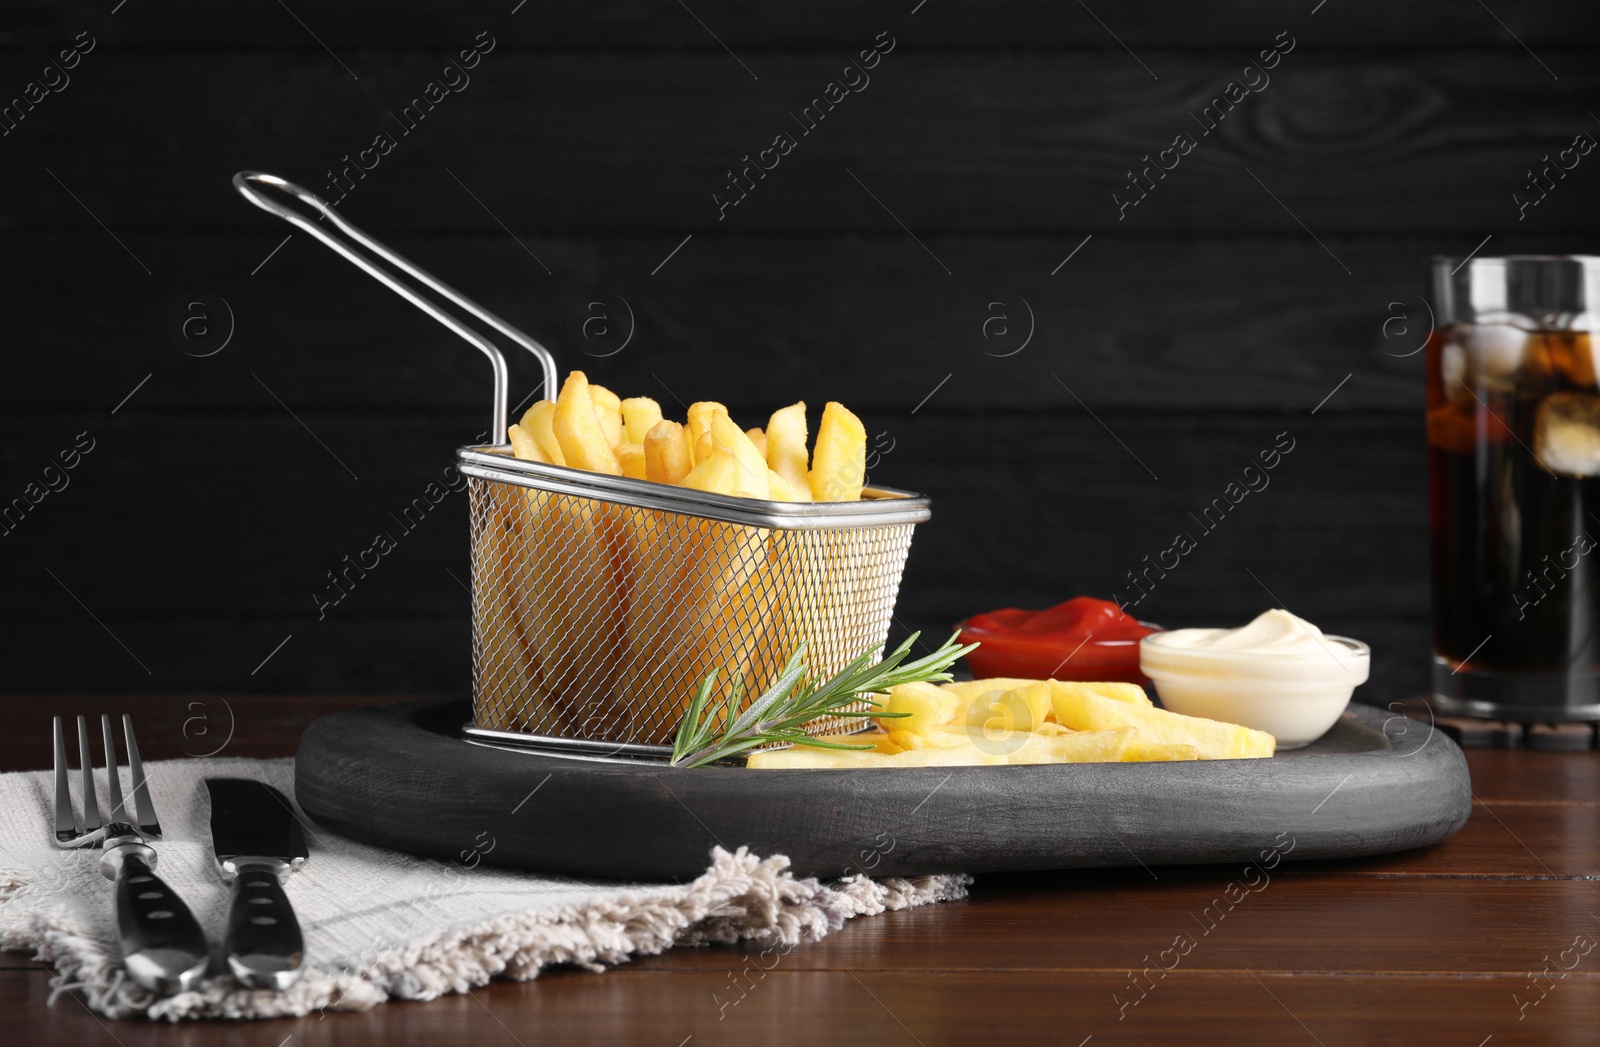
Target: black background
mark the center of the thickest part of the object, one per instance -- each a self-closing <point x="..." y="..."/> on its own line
<point x="589" y="142"/>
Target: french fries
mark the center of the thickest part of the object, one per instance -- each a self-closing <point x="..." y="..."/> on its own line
<point x="569" y="588"/>
<point x="699" y="424"/>
<point x="703" y="447"/>
<point x="925" y="706"/>
<point x="751" y="479"/>
<point x="577" y="426"/>
<point x="1082" y="707"/>
<point x="939" y="738"/>
<point x="967" y="690"/>
<point x="538" y="421"/>
<point x="589" y="427"/>
<point x="715" y="475"/>
<point x="1022" y="708"/>
<point x="543" y="648"/>
<point x="839" y="462"/>
<point x="499" y="577"/>
<point x="1108" y="746"/>
<point x="851" y="758"/>
<point x="666" y="453"/>
<point x="1014" y="722"/>
<point x="631" y="458"/>
<point x="783" y="491"/>
<point x="669" y="646"/>
<point x="608" y="411"/>
<point x="786" y="445"/>
<point x="1155" y="752"/>
<point x="639" y="416"/>
<point x="523" y="445"/>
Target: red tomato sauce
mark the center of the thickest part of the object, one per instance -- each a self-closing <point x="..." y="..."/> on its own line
<point x="1081" y="639"/>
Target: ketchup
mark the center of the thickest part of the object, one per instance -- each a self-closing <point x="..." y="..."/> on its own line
<point x="1081" y="639"/>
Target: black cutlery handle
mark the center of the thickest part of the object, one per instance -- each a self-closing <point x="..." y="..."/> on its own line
<point x="163" y="947"/>
<point x="264" y="946"/>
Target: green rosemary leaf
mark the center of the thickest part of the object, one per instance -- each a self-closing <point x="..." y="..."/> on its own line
<point x="778" y="691"/>
<point x="779" y="714"/>
<point x="689" y="733"/>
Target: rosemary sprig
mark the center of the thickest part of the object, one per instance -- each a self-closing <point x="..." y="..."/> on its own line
<point x="779" y="714"/>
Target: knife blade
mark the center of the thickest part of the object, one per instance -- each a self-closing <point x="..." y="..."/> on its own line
<point x="257" y="840"/>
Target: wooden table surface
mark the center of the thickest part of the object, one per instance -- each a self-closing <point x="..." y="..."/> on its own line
<point x="1463" y="943"/>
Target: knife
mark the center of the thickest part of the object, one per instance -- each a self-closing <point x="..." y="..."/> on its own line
<point x="257" y="840"/>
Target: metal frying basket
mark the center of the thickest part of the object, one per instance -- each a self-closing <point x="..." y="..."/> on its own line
<point x="599" y="602"/>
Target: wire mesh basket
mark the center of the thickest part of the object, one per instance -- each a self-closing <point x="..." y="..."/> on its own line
<point x="599" y="602"/>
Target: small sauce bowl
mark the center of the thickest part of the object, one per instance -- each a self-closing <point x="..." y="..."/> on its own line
<point x="1046" y="657"/>
<point x="1295" y="697"/>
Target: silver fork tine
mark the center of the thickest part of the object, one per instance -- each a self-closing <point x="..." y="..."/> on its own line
<point x="144" y="810"/>
<point x="66" y="826"/>
<point x="91" y="806"/>
<point x="118" y="813"/>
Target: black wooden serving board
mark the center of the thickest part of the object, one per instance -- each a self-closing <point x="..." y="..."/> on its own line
<point x="402" y="776"/>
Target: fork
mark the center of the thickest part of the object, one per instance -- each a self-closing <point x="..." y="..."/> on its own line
<point x="163" y="947"/>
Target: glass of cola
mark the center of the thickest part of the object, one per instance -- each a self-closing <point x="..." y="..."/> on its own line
<point x="1514" y="484"/>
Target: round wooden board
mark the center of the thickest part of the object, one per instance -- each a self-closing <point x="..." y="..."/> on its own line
<point x="403" y="777"/>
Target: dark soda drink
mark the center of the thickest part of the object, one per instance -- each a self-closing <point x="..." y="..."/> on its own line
<point x="1514" y="486"/>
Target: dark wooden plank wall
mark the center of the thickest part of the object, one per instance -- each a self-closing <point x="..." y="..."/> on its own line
<point x="188" y="543"/>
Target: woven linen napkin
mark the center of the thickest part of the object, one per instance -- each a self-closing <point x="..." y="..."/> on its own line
<point x="380" y="925"/>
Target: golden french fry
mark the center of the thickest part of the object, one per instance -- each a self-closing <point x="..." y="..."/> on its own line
<point x="751" y="480"/>
<point x="1131" y="693"/>
<point x="967" y="690"/>
<point x="1001" y="703"/>
<point x="718" y="474"/>
<point x="719" y="578"/>
<point x="839" y="461"/>
<point x="839" y="585"/>
<point x="1082" y="707"/>
<point x="577" y="427"/>
<point x="699" y="423"/>
<point x="537" y="421"/>
<point x="812" y="758"/>
<point x="739" y="600"/>
<point x="1039" y="703"/>
<point x="608" y="410"/>
<point x="879" y="740"/>
<point x="758" y="436"/>
<point x="781" y="490"/>
<point x="1022" y="708"/>
<point x="970" y="756"/>
<point x="501" y="579"/>
<point x="807" y="757"/>
<point x="786" y="444"/>
<point x="704" y="445"/>
<point x="1108" y="746"/>
<point x="639" y="416"/>
<point x="929" y="707"/>
<point x="523" y="445"/>
<point x="666" y="453"/>
<point x="1146" y="752"/>
<point x="937" y="738"/>
<point x="669" y="645"/>
<point x="568" y="643"/>
<point x="631" y="458"/>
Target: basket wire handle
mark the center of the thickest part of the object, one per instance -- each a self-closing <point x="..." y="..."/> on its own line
<point x="247" y="183"/>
